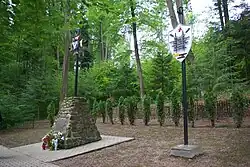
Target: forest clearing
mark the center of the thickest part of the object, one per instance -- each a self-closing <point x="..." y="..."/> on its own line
<point x="160" y="71"/>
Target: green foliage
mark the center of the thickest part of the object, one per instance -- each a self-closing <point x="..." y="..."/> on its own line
<point x="91" y="103"/>
<point x="222" y="59"/>
<point x="94" y="111"/>
<point x="192" y="92"/>
<point x="51" y="113"/>
<point x="239" y="106"/>
<point x="31" y="64"/>
<point x="12" y="115"/>
<point x="109" y="110"/>
<point x="160" y="108"/>
<point x="160" y="69"/>
<point x="191" y="110"/>
<point x="210" y="106"/>
<point x="39" y="92"/>
<point x="134" y="104"/>
<point x="221" y="63"/>
<point x="146" y="109"/>
<point x="160" y="73"/>
<point x="28" y="73"/>
<point x="124" y="82"/>
<point x="121" y="107"/>
<point x="131" y="106"/>
<point x="29" y="101"/>
<point x="176" y="109"/>
<point x="102" y="110"/>
<point x="106" y="79"/>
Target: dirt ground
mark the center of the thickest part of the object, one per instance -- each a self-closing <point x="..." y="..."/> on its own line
<point x="224" y="146"/>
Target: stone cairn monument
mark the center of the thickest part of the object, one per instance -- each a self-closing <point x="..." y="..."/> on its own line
<point x="76" y="123"/>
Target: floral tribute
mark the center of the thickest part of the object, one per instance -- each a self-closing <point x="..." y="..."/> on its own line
<point x="53" y="141"/>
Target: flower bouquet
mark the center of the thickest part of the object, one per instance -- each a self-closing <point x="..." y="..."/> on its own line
<point x="53" y="141"/>
<point x="46" y="141"/>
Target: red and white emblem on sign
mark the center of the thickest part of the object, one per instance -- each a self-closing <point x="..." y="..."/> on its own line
<point x="180" y="41"/>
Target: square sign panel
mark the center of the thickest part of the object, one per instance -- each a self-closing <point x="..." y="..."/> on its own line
<point x="180" y="41"/>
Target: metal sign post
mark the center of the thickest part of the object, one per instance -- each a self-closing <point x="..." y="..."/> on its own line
<point x="180" y="41"/>
<point x="184" y="84"/>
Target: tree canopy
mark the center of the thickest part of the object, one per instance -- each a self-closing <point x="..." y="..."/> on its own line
<point x="120" y="38"/>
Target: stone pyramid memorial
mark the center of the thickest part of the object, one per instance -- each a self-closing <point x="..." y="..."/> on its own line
<point x="76" y="123"/>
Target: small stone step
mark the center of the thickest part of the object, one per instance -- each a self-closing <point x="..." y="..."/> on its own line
<point x="186" y="151"/>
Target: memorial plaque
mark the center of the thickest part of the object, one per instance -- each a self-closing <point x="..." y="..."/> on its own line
<point x="61" y="125"/>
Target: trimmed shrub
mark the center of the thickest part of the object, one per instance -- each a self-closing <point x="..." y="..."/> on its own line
<point x="131" y="106"/>
<point x="134" y="102"/>
<point x="239" y="106"/>
<point x="146" y="109"/>
<point x="191" y="111"/>
<point x="160" y="108"/>
<point x="109" y="110"/>
<point x="90" y="102"/>
<point x="121" y="108"/>
<point x="176" y="111"/>
<point x="210" y="103"/>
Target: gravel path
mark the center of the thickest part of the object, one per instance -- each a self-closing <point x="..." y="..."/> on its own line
<point x="10" y="158"/>
<point x="224" y="146"/>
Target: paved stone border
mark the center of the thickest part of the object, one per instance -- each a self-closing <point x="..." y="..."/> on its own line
<point x="35" y="150"/>
<point x="11" y="158"/>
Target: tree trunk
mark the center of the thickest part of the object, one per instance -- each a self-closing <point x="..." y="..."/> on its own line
<point x="179" y="4"/>
<point x="220" y="13"/>
<point x="176" y="123"/>
<point x="137" y="57"/>
<point x="238" y="125"/>
<point x="65" y="68"/>
<point x="213" y="123"/>
<point x="101" y="43"/>
<point x="103" y="117"/>
<point x="225" y="10"/>
<point x="33" y="122"/>
<point x="172" y="15"/>
<point x="192" y="123"/>
<point x="64" y="90"/>
<point x="106" y="50"/>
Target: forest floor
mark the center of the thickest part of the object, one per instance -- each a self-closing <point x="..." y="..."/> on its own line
<point x="224" y="146"/>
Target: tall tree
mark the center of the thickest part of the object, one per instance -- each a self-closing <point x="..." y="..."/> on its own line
<point x="220" y="13"/>
<point x="225" y="10"/>
<point x="172" y="14"/>
<point x="102" y="57"/>
<point x="137" y="56"/>
<point x="179" y="4"/>
<point x="66" y="54"/>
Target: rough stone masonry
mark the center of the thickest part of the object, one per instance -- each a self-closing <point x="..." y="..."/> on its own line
<point x="76" y="122"/>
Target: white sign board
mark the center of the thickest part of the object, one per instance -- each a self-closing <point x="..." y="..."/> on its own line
<point x="180" y="41"/>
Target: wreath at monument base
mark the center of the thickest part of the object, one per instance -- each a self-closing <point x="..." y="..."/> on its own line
<point x="53" y="141"/>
